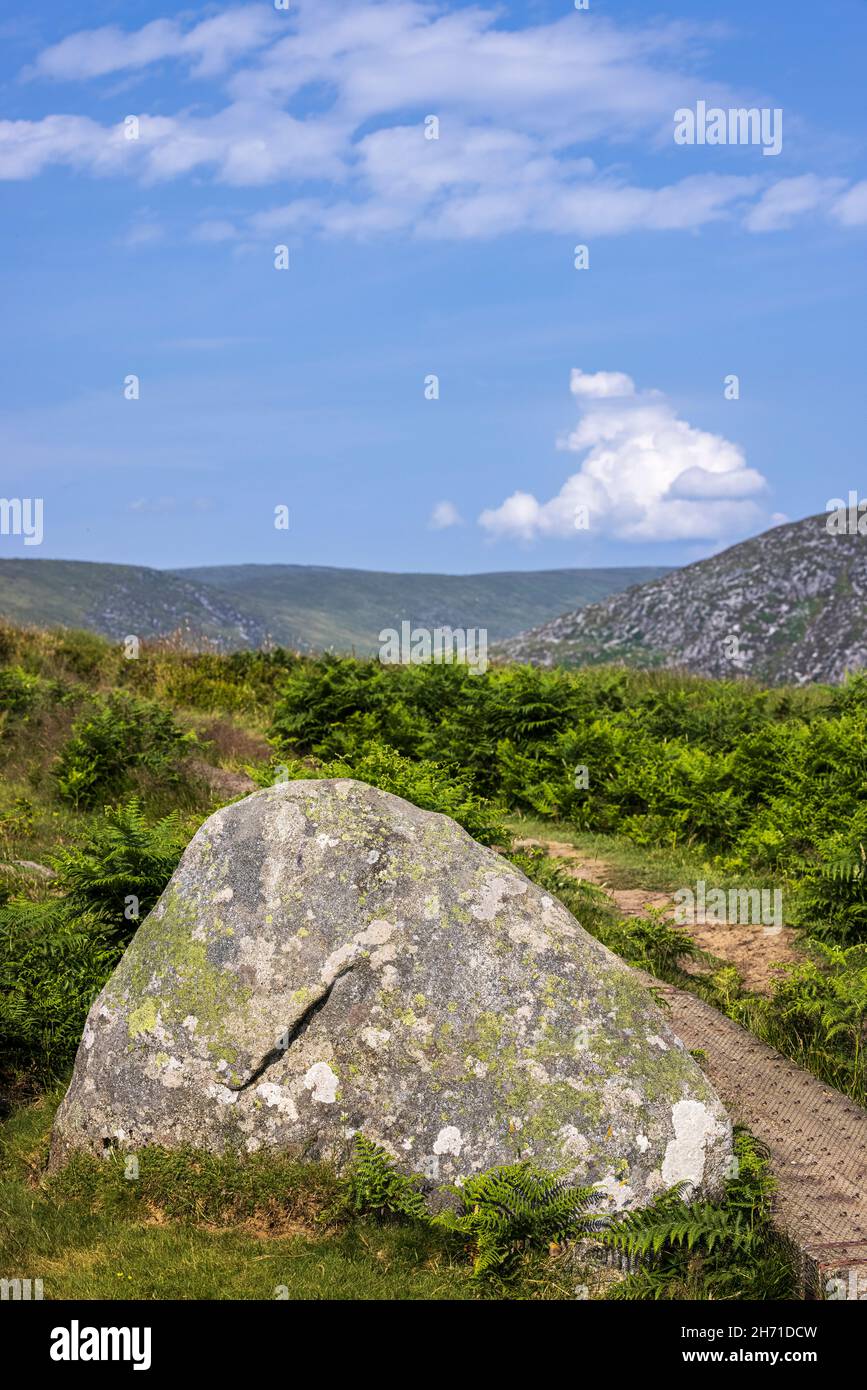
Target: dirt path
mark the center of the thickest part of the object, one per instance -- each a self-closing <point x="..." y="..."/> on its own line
<point x="817" y="1138"/>
<point x="755" y="951"/>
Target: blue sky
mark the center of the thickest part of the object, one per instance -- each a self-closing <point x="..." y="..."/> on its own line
<point x="558" y="388"/>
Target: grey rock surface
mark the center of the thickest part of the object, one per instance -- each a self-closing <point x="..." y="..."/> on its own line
<point x="28" y="868"/>
<point x="795" y="598"/>
<point x="329" y="959"/>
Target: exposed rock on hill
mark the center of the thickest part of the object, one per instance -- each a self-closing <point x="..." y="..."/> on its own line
<point x="789" y="606"/>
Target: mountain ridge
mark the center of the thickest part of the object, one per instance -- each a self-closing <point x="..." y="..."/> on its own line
<point x="304" y="607"/>
<point x="787" y="607"/>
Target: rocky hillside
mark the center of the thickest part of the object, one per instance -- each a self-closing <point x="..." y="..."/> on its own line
<point x="115" y="600"/>
<point x="305" y="607"/>
<point x="788" y="606"/>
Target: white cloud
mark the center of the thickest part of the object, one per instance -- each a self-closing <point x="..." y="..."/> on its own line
<point x="600" y="384"/>
<point x="26" y="147"/>
<point x="521" y="200"/>
<point x="245" y="146"/>
<point x="210" y="46"/>
<point x="580" y="75"/>
<point x="787" y="199"/>
<point x="145" y="231"/>
<point x="701" y="483"/>
<point x="646" y="475"/>
<point x="518" y="109"/>
<point x="851" y="209"/>
<point x="215" y="229"/>
<point x="520" y="515"/>
<point x="445" y="514"/>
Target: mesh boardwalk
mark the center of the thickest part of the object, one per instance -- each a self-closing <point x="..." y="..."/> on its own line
<point x="817" y="1139"/>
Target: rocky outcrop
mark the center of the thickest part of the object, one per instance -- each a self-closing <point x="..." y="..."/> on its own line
<point x="329" y="959"/>
<point x="789" y="606"/>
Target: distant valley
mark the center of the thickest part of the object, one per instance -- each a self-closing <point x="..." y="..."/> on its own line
<point x="304" y="607"/>
<point x="788" y="606"/>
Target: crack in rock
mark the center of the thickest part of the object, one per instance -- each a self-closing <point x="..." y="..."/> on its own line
<point x="298" y="1029"/>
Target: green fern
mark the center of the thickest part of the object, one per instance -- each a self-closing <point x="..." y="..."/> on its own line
<point x="375" y="1187"/>
<point x="124" y="855"/>
<point x="115" y="736"/>
<point x="504" y="1214"/>
<point x="702" y="1249"/>
<point x="56" y="953"/>
<point x="516" y="1209"/>
<point x="671" y="1221"/>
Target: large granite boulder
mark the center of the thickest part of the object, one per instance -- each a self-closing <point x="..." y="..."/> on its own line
<point x="330" y="959"/>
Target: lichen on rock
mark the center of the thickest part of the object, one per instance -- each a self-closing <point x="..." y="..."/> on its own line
<point x="329" y="959"/>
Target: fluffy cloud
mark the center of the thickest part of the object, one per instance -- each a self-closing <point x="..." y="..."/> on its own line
<point x="645" y="475"/>
<point x="577" y="75"/>
<point x="331" y="99"/>
<point x="599" y="385"/>
<point x="243" y="144"/>
<point x="26" y="147"/>
<point x="210" y="46"/>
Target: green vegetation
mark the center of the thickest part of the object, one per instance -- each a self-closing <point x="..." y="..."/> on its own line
<point x="108" y="766"/>
<point x="376" y="1187"/>
<point x="817" y="1015"/>
<point x="117" y="735"/>
<point x="720" y="1250"/>
<point x="56" y="952"/>
<point x="193" y="1225"/>
<point x="514" y="1211"/>
<point x="722" y="780"/>
<point x="501" y="1217"/>
<point x="299" y="606"/>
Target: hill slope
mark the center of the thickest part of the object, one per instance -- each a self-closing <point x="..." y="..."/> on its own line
<point x="115" y="600"/>
<point x="307" y="607"/>
<point x="317" y="607"/>
<point x="794" y="597"/>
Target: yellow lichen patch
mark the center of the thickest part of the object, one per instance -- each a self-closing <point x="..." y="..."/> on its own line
<point x="144" y="1018"/>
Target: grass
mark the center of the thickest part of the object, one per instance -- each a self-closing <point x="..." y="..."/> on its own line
<point x="197" y="1226"/>
<point x="202" y="1226"/>
<point x="653" y="868"/>
<point x="32" y="829"/>
<point x="137" y="1261"/>
<point x="188" y="1225"/>
<point x="201" y="1265"/>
